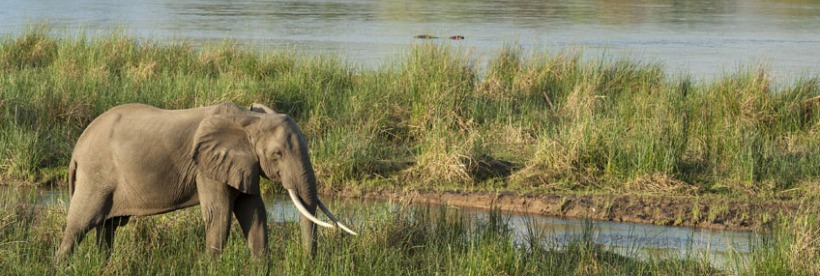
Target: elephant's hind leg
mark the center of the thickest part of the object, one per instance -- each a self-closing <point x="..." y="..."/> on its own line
<point x="250" y="212"/>
<point x="106" y="231"/>
<point x="72" y="236"/>
<point x="86" y="210"/>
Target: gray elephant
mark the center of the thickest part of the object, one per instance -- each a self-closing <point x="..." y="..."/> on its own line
<point x="138" y="160"/>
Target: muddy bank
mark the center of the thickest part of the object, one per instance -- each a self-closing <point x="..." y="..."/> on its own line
<point x="703" y="212"/>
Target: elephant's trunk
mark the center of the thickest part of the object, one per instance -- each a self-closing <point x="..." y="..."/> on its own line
<point x="300" y="180"/>
<point x="306" y="191"/>
<point x="306" y="200"/>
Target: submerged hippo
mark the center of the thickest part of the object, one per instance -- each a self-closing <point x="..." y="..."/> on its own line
<point x="426" y="36"/>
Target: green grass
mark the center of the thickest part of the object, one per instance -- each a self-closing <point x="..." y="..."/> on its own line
<point x="531" y="122"/>
<point x="407" y="240"/>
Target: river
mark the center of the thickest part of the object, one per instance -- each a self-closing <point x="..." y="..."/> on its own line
<point x="700" y="38"/>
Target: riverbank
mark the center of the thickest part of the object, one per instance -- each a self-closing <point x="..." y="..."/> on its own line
<point x="711" y="212"/>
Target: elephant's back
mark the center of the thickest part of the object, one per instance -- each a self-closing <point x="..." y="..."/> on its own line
<point x="134" y="123"/>
<point x="144" y="127"/>
<point x="113" y="116"/>
<point x="104" y="127"/>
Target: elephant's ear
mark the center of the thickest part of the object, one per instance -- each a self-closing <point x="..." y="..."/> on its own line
<point x="261" y="108"/>
<point x="223" y="151"/>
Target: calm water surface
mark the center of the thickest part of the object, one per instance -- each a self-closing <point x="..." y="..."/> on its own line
<point x="697" y="37"/>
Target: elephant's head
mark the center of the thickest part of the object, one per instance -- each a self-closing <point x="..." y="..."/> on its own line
<point x="238" y="148"/>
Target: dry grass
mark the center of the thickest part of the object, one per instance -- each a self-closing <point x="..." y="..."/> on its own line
<point x="662" y="184"/>
<point x="805" y="246"/>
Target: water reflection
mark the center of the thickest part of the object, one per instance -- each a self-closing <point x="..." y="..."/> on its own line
<point x="699" y="37"/>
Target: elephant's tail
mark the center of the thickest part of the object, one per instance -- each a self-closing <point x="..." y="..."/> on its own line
<point x="72" y="176"/>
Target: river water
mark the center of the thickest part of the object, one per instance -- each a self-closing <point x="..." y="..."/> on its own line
<point x="701" y="38"/>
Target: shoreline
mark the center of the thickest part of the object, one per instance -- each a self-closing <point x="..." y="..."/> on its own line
<point x="679" y="211"/>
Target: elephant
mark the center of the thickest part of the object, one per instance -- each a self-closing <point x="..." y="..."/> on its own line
<point x="139" y="160"/>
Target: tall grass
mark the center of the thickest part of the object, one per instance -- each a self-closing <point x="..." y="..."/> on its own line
<point x="430" y="118"/>
<point x="790" y="247"/>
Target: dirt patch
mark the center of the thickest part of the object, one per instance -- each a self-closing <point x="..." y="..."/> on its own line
<point x="703" y="212"/>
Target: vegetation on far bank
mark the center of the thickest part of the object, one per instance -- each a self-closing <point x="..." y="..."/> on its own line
<point x="540" y="122"/>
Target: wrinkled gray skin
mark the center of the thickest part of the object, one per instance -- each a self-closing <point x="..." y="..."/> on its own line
<point x="138" y="160"/>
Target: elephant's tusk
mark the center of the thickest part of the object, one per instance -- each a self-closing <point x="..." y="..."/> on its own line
<point x="334" y="219"/>
<point x="304" y="211"/>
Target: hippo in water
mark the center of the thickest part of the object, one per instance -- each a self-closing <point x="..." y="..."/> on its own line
<point x="426" y="36"/>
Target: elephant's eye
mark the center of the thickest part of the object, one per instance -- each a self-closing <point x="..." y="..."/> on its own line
<point x="276" y="154"/>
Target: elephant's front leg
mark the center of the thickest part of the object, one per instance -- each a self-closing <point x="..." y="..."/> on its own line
<point x="250" y="212"/>
<point x="216" y="200"/>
